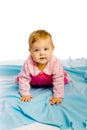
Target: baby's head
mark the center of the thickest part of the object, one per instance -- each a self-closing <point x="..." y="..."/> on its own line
<point x="41" y="46"/>
<point x="37" y="35"/>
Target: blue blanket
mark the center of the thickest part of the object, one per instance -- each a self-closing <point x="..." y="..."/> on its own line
<point x="72" y="113"/>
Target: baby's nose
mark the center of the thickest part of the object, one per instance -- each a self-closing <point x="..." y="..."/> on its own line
<point x="42" y="52"/>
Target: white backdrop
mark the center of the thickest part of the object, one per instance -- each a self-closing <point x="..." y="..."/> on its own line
<point x="66" y="20"/>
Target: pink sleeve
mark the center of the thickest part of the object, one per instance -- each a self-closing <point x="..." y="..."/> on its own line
<point x="58" y="80"/>
<point x="24" y="80"/>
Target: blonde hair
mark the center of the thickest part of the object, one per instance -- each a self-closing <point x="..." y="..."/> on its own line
<point x="38" y="34"/>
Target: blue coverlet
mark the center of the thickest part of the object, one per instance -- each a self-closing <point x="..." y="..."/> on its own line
<point x="72" y="113"/>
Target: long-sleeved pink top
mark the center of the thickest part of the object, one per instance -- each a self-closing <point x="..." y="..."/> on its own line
<point x="52" y="74"/>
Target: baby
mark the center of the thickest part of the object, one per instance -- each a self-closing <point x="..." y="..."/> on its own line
<point x="42" y="68"/>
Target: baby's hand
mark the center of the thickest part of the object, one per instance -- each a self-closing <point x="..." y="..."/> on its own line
<point x="55" y="100"/>
<point x="26" y="98"/>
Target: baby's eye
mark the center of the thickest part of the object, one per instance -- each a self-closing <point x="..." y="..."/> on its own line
<point x="45" y="49"/>
<point x="36" y="50"/>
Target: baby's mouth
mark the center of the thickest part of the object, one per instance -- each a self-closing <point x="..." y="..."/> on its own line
<point x="42" y="58"/>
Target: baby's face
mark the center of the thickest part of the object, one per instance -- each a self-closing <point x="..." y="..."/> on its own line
<point x="41" y="51"/>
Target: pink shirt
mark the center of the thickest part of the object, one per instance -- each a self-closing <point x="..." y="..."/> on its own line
<point x="53" y="74"/>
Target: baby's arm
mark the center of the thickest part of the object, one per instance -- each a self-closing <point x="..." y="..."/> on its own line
<point x="24" y="83"/>
<point x="58" y="84"/>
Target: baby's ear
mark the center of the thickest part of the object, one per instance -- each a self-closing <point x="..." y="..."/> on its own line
<point x="53" y="47"/>
<point x="29" y="50"/>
